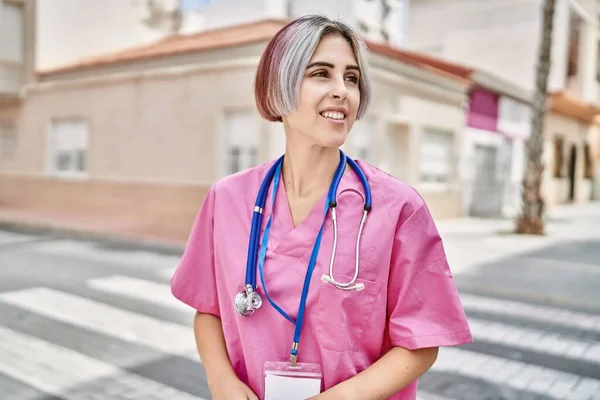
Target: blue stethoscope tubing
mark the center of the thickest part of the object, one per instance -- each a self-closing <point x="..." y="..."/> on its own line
<point x="261" y="199"/>
<point x="253" y="258"/>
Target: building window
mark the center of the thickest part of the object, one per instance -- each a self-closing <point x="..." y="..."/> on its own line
<point x="234" y="159"/>
<point x="241" y="140"/>
<point x="11" y="33"/>
<point x="389" y="160"/>
<point x="559" y="151"/>
<point x="69" y="147"/>
<point x="363" y="137"/>
<point x="588" y="171"/>
<point x="8" y="140"/>
<point x="435" y="161"/>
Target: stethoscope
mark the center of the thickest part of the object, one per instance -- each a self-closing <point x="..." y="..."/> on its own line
<point x="249" y="300"/>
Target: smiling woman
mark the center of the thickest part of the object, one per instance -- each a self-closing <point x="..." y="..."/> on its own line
<point x="293" y="52"/>
<point x="376" y="303"/>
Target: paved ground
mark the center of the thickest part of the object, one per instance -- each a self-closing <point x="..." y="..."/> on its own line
<point x="93" y="320"/>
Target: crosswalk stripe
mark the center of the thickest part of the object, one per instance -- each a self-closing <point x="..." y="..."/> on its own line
<point x="167" y="273"/>
<point x="63" y="372"/>
<point x="514" y="374"/>
<point x="421" y="395"/>
<point x="90" y="251"/>
<point x="557" y="316"/>
<point x="139" y="289"/>
<point x="15" y="238"/>
<point x="533" y="339"/>
<point x="125" y="325"/>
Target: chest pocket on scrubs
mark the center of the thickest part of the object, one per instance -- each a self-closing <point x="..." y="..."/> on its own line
<point x="342" y="315"/>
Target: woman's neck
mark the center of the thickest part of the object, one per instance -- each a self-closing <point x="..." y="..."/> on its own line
<point x="309" y="169"/>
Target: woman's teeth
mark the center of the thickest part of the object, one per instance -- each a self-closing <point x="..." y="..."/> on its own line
<point x="333" y="115"/>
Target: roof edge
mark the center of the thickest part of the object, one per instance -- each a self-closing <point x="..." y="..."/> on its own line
<point x="502" y="86"/>
<point x="119" y="56"/>
<point x="563" y="103"/>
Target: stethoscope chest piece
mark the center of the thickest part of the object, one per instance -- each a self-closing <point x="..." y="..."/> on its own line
<point x="247" y="301"/>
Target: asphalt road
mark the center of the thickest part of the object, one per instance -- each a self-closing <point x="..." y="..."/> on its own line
<point x="88" y="320"/>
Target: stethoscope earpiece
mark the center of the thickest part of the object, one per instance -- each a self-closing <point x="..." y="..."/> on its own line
<point x="327" y="279"/>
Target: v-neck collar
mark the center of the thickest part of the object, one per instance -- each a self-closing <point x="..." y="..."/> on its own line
<point x="294" y="241"/>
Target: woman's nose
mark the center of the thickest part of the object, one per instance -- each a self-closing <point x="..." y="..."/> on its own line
<point x="339" y="89"/>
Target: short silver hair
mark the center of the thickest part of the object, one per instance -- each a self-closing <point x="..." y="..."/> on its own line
<point x="282" y="65"/>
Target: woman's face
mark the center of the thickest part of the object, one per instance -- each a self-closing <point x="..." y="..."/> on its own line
<point x="329" y="95"/>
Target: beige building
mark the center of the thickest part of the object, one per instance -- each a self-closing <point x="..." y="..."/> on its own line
<point x="503" y="37"/>
<point x="112" y="25"/>
<point x="571" y="152"/>
<point x="143" y="132"/>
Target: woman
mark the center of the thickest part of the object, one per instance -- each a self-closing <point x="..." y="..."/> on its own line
<point x="369" y="343"/>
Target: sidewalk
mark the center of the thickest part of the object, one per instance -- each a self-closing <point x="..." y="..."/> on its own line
<point x="474" y="241"/>
<point x="468" y="241"/>
<point x="87" y="227"/>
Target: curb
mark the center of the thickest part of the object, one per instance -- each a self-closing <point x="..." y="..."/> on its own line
<point x="112" y="240"/>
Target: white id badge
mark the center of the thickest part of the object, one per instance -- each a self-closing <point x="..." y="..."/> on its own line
<point x="284" y="382"/>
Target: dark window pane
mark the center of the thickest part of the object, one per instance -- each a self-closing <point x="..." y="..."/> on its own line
<point x="363" y="153"/>
<point x="253" y="156"/>
<point x="63" y="161"/>
<point x="8" y="139"/>
<point x="81" y="160"/>
<point x="558" y="157"/>
<point x="234" y="159"/>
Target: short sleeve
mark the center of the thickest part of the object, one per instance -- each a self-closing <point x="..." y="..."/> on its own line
<point x="194" y="281"/>
<point x="424" y="307"/>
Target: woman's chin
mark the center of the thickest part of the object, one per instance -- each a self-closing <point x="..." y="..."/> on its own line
<point x="332" y="144"/>
<point x="334" y="140"/>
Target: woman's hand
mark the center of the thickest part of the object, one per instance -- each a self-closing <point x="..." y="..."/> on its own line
<point x="232" y="389"/>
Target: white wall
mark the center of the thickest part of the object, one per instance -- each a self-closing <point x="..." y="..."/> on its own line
<point x="331" y="8"/>
<point x="233" y="12"/>
<point x="560" y="46"/>
<point x="448" y="118"/>
<point x="68" y="30"/>
<point x="556" y="190"/>
<point x="497" y="36"/>
<point x="369" y="13"/>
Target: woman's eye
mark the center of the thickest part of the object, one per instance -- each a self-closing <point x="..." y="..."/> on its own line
<point x="352" y="78"/>
<point x="320" y="74"/>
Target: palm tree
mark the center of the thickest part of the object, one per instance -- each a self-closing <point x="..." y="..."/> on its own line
<point x="531" y="218"/>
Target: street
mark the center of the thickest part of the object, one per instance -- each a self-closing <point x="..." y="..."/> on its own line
<point x="96" y="320"/>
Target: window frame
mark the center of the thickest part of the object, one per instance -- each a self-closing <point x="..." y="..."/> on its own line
<point x="20" y="36"/>
<point x="364" y="143"/>
<point x="8" y="129"/>
<point x="449" y="177"/>
<point x="248" y="147"/>
<point x="73" y="152"/>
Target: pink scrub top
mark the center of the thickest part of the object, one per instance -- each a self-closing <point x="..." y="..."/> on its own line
<point x="409" y="300"/>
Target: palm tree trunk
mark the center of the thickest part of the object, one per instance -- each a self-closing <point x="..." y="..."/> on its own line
<point x="531" y="219"/>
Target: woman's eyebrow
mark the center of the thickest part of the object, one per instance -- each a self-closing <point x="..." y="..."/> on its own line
<point x="329" y="65"/>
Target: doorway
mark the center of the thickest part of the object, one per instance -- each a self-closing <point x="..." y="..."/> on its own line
<point x="488" y="190"/>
